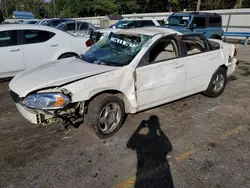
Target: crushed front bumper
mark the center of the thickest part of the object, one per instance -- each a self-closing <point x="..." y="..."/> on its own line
<point x="33" y="116"/>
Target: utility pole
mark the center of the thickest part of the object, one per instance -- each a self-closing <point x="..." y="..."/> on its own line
<point x="198" y="6"/>
<point x="54" y="5"/>
<point x="6" y="9"/>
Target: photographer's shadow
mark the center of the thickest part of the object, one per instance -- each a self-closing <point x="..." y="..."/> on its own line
<point x="152" y="147"/>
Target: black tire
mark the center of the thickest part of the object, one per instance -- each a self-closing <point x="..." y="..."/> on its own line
<point x="67" y="55"/>
<point x="211" y="92"/>
<point x="95" y="109"/>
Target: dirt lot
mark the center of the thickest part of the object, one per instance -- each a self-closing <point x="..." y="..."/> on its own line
<point x="204" y="143"/>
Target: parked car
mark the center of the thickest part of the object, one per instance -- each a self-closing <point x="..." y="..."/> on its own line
<point x="96" y="35"/>
<point x="53" y="22"/>
<point x="24" y="46"/>
<point x="20" y="21"/>
<point x="208" y="24"/>
<point x="31" y="21"/>
<point x="135" y="23"/>
<point x="125" y="72"/>
<point x="76" y="28"/>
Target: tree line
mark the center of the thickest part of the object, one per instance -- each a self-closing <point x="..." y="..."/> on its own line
<point x="85" y="8"/>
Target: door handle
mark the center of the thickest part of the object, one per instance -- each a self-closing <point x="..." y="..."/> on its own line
<point x="177" y="66"/>
<point x="16" y="50"/>
<point x="54" y="45"/>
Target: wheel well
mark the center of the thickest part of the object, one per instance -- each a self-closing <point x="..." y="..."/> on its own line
<point x="224" y="67"/>
<point x="67" y="54"/>
<point x="216" y="37"/>
<point x="111" y="92"/>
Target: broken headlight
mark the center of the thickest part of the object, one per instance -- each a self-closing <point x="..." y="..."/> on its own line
<point x="46" y="101"/>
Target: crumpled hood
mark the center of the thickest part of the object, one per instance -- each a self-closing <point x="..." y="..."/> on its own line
<point x="55" y="74"/>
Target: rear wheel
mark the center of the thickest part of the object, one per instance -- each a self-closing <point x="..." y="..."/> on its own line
<point x="105" y="115"/>
<point x="217" y="83"/>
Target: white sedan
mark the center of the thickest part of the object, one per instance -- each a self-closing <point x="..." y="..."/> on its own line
<point x="27" y="46"/>
<point x="125" y="72"/>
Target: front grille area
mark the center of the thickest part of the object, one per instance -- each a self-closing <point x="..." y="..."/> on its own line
<point x="14" y="96"/>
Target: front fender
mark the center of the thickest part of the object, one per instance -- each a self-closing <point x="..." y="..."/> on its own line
<point x="120" y="80"/>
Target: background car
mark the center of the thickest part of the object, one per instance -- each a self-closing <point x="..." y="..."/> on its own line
<point x="77" y="28"/>
<point x="31" y="21"/>
<point x="96" y="35"/>
<point x="24" y="46"/>
<point x="208" y="24"/>
<point x="53" y="22"/>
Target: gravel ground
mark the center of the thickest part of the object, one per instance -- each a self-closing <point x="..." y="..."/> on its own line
<point x="201" y="142"/>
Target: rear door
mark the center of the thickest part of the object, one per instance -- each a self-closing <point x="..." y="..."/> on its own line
<point x="11" y="54"/>
<point x="214" y="28"/>
<point x="38" y="47"/>
<point x="201" y="62"/>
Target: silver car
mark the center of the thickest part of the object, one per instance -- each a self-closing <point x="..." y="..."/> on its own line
<point x="76" y="28"/>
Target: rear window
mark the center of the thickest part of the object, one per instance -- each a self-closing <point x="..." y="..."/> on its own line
<point x="36" y="36"/>
<point x="214" y="21"/>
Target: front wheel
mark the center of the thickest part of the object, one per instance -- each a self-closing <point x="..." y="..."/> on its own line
<point x="217" y="84"/>
<point x="105" y="115"/>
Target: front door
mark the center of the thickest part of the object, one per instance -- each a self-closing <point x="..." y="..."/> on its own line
<point x="160" y="76"/>
<point x="201" y="23"/>
<point x="11" y="54"/>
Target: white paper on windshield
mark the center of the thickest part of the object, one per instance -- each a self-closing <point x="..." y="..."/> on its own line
<point x="123" y="42"/>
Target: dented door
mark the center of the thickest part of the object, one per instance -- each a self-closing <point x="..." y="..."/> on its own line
<point x="159" y="83"/>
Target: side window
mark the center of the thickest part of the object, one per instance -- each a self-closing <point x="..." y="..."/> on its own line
<point x="200" y="22"/>
<point x="147" y="23"/>
<point x="8" y="38"/>
<point x="69" y="27"/>
<point x="193" y="45"/>
<point x="36" y="36"/>
<point x="84" y="26"/>
<point x="135" y="24"/>
<point x="214" y="21"/>
<point x="163" y="50"/>
<point x="54" y="23"/>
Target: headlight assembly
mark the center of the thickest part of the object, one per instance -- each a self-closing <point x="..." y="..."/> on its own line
<point x="46" y="101"/>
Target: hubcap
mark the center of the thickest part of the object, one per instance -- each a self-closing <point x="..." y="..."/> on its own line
<point x="110" y="117"/>
<point x="218" y="83"/>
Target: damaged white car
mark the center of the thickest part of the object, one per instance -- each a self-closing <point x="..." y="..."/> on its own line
<point x="124" y="73"/>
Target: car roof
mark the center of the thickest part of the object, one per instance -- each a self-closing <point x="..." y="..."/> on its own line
<point x="151" y="31"/>
<point x="27" y="26"/>
<point x="139" y="18"/>
<point x="196" y="13"/>
<point x="73" y="21"/>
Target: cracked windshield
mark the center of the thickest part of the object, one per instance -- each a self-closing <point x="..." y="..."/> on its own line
<point x="116" y="49"/>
